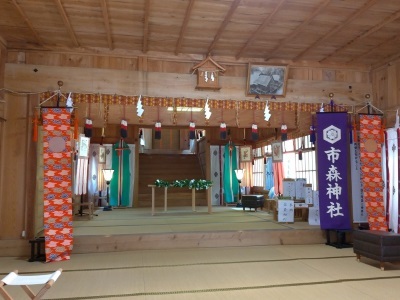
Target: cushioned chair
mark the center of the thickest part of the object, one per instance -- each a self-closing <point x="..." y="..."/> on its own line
<point x="378" y="245"/>
<point x="253" y="201"/>
<point x="47" y="280"/>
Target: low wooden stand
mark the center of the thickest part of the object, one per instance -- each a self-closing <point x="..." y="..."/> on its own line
<point x="36" y="249"/>
<point x="340" y="238"/>
<point x="89" y="205"/>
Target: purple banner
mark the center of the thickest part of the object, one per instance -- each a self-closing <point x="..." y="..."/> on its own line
<point x="332" y="155"/>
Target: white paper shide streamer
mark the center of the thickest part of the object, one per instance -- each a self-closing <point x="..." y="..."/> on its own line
<point x="207" y="111"/>
<point x="139" y="107"/>
<point x="267" y="114"/>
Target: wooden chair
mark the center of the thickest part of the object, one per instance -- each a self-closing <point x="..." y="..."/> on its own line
<point x="47" y="280"/>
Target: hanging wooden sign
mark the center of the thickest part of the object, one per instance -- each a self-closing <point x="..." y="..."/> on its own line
<point x="208" y="74"/>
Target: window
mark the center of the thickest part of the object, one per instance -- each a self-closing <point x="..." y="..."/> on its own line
<point x="293" y="167"/>
<point x="258" y="167"/>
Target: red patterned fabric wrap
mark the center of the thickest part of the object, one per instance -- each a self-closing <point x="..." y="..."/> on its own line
<point x="57" y="183"/>
<point x="371" y="171"/>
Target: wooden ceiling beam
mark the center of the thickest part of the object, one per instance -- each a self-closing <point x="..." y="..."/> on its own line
<point x="336" y="29"/>
<point x="184" y="27"/>
<point x="260" y="29"/>
<point x="146" y="26"/>
<point x="3" y="41"/>
<point x="298" y="29"/>
<point x="67" y="24"/>
<point x="106" y="19"/>
<point x="228" y="17"/>
<point x="377" y="48"/>
<point x="389" y="19"/>
<point x="28" y="22"/>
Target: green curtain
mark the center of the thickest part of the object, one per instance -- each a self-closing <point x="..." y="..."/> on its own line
<point x="231" y="185"/>
<point x="120" y="185"/>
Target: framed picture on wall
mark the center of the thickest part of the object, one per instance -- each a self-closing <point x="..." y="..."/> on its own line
<point x="102" y="155"/>
<point x="266" y="80"/>
<point x="84" y="146"/>
<point x="277" y="152"/>
<point x="245" y="153"/>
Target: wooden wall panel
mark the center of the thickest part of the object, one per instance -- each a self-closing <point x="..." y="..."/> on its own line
<point x="392" y="84"/>
<point x="3" y="208"/>
<point x="380" y="87"/>
<point x="13" y="165"/>
<point x="317" y="74"/>
<point x="42" y="58"/>
<point x="235" y="70"/>
<point x="298" y="73"/>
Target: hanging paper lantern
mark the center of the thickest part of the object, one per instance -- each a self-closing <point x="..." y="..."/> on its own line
<point x="157" y="133"/>
<point x="124" y="129"/>
<point x="283" y="132"/>
<point x="222" y="131"/>
<point x="312" y="134"/>
<point x="192" y="133"/>
<point x="254" y="132"/>
<point x="88" y="129"/>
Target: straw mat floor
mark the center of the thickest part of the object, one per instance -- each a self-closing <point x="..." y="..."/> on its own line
<point x="293" y="272"/>
<point x="259" y="272"/>
<point x="179" y="219"/>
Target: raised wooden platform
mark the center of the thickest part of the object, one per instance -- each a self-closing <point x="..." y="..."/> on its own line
<point x="179" y="227"/>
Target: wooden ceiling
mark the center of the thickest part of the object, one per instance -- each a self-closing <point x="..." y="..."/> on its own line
<point x="363" y="32"/>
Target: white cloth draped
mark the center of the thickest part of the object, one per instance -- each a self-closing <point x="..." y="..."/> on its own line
<point x="392" y="178"/>
<point x="359" y="211"/>
<point x="216" y="174"/>
<point x="96" y="180"/>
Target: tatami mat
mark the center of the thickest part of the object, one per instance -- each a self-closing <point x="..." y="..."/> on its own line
<point x="258" y="272"/>
<point x="293" y="272"/>
<point x="179" y="219"/>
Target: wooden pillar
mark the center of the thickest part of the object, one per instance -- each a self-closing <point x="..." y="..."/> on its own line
<point x="208" y="169"/>
<point x="137" y="162"/>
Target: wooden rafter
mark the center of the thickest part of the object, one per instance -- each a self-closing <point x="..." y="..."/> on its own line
<point x="106" y="19"/>
<point x="184" y="26"/>
<point x="146" y="26"/>
<point x="336" y="29"/>
<point x="387" y="20"/>
<point x="3" y="41"/>
<point x="298" y="29"/>
<point x="387" y="60"/>
<point x="228" y="17"/>
<point x="376" y="48"/>
<point x="28" y="22"/>
<point x="67" y="24"/>
<point x="260" y="29"/>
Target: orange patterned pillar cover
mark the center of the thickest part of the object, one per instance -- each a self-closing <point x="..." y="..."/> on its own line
<point x="371" y="170"/>
<point x="57" y="183"/>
